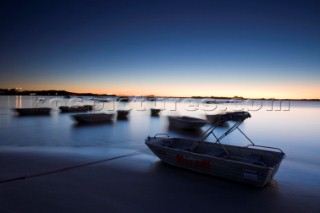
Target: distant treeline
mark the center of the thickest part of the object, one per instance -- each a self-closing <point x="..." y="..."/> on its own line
<point x="42" y="92"/>
<point x="220" y="97"/>
<point x="66" y="93"/>
<point x="29" y="92"/>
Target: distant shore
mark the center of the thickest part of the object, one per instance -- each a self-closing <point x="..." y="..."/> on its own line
<point x="14" y="92"/>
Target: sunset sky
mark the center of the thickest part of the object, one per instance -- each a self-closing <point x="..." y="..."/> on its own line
<point x="252" y="48"/>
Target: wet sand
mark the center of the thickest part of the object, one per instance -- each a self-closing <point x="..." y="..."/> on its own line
<point x="139" y="183"/>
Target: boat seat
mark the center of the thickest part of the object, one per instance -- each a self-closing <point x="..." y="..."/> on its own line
<point x="168" y="143"/>
<point x="213" y="153"/>
<point x="175" y="145"/>
<point x="254" y="159"/>
<point x="217" y="153"/>
<point x="251" y="159"/>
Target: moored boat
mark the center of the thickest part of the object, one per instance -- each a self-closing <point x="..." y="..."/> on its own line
<point x="83" y="108"/>
<point x="93" y="117"/>
<point x="252" y="164"/>
<point x="123" y="99"/>
<point x="122" y="113"/>
<point x="186" y="122"/>
<point x="33" y="111"/>
<point x="155" y="111"/>
<point x="221" y="118"/>
<point x="216" y="119"/>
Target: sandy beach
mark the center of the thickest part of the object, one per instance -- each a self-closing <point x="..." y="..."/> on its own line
<point x="138" y="183"/>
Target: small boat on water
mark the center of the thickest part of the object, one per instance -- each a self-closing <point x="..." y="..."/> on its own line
<point x="123" y="99"/>
<point x="123" y="113"/>
<point x="41" y="100"/>
<point x="216" y="119"/>
<point x="155" y="111"/>
<point x="221" y="118"/>
<point x="83" y="108"/>
<point x="33" y="111"/>
<point x="252" y="164"/>
<point x="93" y="117"/>
<point x="106" y="100"/>
<point x="186" y="122"/>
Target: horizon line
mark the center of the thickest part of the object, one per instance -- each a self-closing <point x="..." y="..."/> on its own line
<point x="15" y="91"/>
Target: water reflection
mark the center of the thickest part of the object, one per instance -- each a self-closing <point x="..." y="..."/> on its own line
<point x="121" y="118"/>
<point x="154" y="115"/>
<point x="296" y="132"/>
<point x="93" y="124"/>
<point x="18" y="115"/>
<point x="18" y="101"/>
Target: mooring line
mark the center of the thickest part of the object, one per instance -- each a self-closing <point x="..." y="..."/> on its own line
<point x="69" y="167"/>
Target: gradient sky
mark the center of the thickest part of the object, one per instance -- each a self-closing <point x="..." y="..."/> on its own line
<point x="252" y="48"/>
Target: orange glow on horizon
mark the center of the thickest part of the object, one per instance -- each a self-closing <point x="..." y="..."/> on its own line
<point x="180" y="90"/>
<point x="252" y="91"/>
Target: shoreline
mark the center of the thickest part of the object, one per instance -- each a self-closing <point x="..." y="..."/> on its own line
<point x="139" y="183"/>
<point x="6" y="92"/>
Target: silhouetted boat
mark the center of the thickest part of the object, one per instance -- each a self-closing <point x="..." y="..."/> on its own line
<point x="221" y="118"/>
<point x="41" y="100"/>
<point x="151" y="98"/>
<point x="93" y="117"/>
<point x="253" y="164"/>
<point x="186" y="122"/>
<point x="210" y="101"/>
<point x="84" y="108"/>
<point x="155" y="111"/>
<point x="222" y="101"/>
<point x="216" y="119"/>
<point x="33" y="111"/>
<point x="123" y="99"/>
<point x="122" y="113"/>
<point x="106" y="100"/>
<point x="238" y="115"/>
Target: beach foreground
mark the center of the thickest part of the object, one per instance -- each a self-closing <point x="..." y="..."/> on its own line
<point x="128" y="181"/>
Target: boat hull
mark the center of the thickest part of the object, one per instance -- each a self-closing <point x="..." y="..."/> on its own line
<point x="85" y="108"/>
<point x="155" y="112"/>
<point x="122" y="114"/>
<point x="93" y="117"/>
<point x="33" y="111"/>
<point x="209" y="160"/>
<point x="220" y="119"/>
<point x="215" y="119"/>
<point x="184" y="122"/>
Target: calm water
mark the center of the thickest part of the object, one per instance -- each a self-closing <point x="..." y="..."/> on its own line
<point x="294" y="128"/>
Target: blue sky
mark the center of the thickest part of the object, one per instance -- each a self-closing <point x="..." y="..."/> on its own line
<point x="219" y="48"/>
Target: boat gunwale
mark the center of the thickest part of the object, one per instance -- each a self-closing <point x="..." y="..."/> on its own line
<point x="90" y="117"/>
<point x="187" y="119"/>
